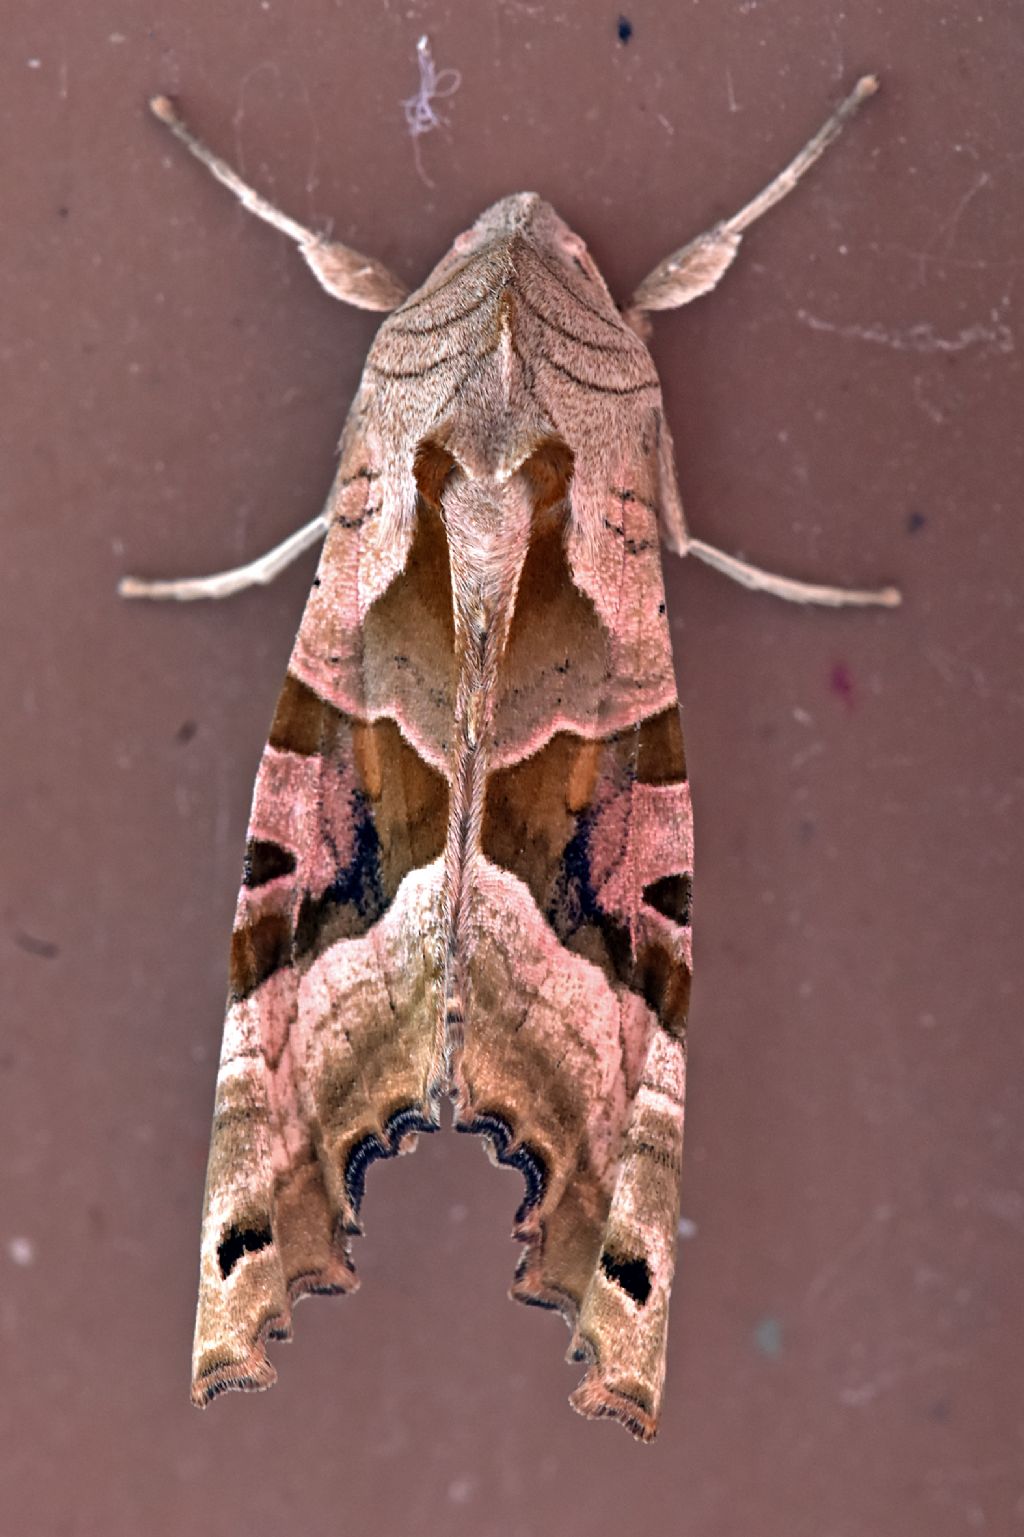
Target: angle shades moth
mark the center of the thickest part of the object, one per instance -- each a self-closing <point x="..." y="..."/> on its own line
<point x="470" y="851"/>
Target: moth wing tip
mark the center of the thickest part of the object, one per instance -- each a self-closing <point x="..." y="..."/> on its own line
<point x="597" y="1400"/>
<point x="253" y="1374"/>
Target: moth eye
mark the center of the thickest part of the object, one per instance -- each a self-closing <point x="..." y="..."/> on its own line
<point x="575" y="254"/>
<point x="579" y="257"/>
<point x="629" y="1273"/>
<point x="239" y="1241"/>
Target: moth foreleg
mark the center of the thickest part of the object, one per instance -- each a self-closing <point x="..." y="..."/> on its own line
<point x="697" y="267"/>
<point x="786" y="586"/>
<point x="356" y="279"/>
<point x="223" y="584"/>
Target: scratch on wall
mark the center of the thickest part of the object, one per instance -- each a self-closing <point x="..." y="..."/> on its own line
<point x="993" y="336"/>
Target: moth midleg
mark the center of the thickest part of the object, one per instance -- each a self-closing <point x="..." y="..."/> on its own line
<point x="355" y="279"/>
<point x="677" y="538"/>
<point x="223" y="584"/>
<point x="697" y="267"/>
<point x="786" y="586"/>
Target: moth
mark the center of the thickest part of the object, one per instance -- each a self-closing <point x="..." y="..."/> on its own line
<point x="469" y="859"/>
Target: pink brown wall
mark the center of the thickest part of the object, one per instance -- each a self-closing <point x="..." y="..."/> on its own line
<point x="846" y="1351"/>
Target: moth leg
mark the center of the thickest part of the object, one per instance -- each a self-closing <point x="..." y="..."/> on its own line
<point x="697" y="267"/>
<point x="786" y="586"/>
<point x="356" y="279"/>
<point x="677" y="538"/>
<point x="223" y="584"/>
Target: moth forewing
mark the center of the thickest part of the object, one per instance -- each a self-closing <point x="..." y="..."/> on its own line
<point x="469" y="860"/>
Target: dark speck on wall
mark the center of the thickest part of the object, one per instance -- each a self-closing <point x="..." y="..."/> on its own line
<point x="840" y="682"/>
<point x="185" y="732"/>
<point x="915" y="522"/>
<point x="33" y="945"/>
<point x="625" y="29"/>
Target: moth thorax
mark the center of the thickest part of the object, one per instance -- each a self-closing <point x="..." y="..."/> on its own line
<point x="488" y="527"/>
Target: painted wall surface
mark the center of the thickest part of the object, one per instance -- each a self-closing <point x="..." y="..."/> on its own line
<point x="846" y="1349"/>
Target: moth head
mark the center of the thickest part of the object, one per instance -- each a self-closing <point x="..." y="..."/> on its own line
<point x="527" y="214"/>
<point x="509" y="216"/>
